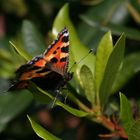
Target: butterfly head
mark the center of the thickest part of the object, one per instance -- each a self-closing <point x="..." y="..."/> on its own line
<point x="68" y="76"/>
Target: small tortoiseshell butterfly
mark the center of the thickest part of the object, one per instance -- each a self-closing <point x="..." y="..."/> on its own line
<point x="49" y="70"/>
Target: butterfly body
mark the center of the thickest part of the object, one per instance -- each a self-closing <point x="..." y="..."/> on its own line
<point x="49" y="70"/>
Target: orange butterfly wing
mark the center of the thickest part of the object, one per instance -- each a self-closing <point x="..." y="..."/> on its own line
<point x="54" y="59"/>
<point x="57" y="54"/>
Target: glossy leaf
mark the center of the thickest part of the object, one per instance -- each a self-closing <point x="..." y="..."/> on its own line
<point x="111" y="70"/>
<point x="103" y="52"/>
<point x="41" y="132"/>
<point x="126" y="116"/>
<point x="87" y="83"/>
<point x="11" y="105"/>
<point x="34" y="89"/>
<point x="134" y="131"/>
<point x="32" y="40"/>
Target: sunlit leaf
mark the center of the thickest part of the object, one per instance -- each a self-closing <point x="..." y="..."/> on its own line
<point x="111" y="70"/>
<point x="41" y="132"/>
<point x="103" y="52"/>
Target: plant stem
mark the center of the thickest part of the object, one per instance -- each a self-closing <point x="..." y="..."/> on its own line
<point x="83" y="106"/>
<point x="96" y="115"/>
<point x="133" y="12"/>
<point x="112" y="126"/>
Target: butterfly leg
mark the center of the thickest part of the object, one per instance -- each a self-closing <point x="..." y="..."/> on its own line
<point x="54" y="99"/>
<point x="57" y="93"/>
<point x="66" y="95"/>
<point x="65" y="99"/>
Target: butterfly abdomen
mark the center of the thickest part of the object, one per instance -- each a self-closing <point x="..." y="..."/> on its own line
<point x="49" y="82"/>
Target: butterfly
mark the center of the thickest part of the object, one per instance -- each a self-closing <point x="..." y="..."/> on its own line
<point x="49" y="71"/>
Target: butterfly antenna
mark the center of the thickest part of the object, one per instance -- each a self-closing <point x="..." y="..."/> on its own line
<point x="90" y="51"/>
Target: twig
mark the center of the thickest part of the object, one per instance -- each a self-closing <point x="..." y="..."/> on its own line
<point x="133" y="12"/>
<point x="116" y="129"/>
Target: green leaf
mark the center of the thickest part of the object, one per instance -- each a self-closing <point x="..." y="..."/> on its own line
<point x="11" y="105"/>
<point x="131" y="66"/>
<point x="32" y="39"/>
<point x="103" y="52"/>
<point x="115" y="29"/>
<point x="108" y="11"/>
<point x="21" y="51"/>
<point x="41" y="132"/>
<point x="62" y="20"/>
<point x="87" y="83"/>
<point x="7" y="64"/>
<point x="134" y="131"/>
<point x="75" y="112"/>
<point x="131" y="33"/>
<point x="5" y="55"/>
<point x="34" y="89"/>
<point x="105" y="11"/>
<point x="126" y="116"/>
<point x="111" y="70"/>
